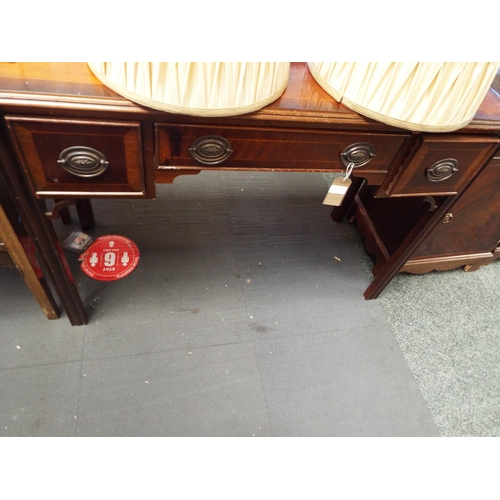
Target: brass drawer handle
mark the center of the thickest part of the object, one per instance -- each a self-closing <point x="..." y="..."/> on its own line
<point x="447" y="218"/>
<point x="210" y="150"/>
<point x="442" y="170"/>
<point x="82" y="161"/>
<point x="358" y="153"/>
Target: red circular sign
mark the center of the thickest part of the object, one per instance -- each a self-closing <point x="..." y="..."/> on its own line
<point x="110" y="258"/>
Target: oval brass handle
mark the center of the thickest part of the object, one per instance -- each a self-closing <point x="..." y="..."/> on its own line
<point x="83" y="161"/>
<point x="359" y="154"/>
<point x="447" y="218"/>
<point x="442" y="170"/>
<point x="210" y="149"/>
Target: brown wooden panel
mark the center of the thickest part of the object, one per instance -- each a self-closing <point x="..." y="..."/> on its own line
<point x="39" y="142"/>
<point x="475" y="226"/>
<point x="471" y="152"/>
<point x="277" y="149"/>
<point x="469" y="262"/>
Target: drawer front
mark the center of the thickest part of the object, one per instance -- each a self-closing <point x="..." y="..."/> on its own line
<point x="274" y="149"/>
<point x="79" y="158"/>
<point x="443" y="165"/>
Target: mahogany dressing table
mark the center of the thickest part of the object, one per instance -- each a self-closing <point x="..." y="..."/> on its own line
<point x="422" y="201"/>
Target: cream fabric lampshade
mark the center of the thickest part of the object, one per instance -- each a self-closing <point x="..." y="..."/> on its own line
<point x="420" y="96"/>
<point x="196" y="88"/>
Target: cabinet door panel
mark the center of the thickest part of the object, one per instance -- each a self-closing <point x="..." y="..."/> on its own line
<point x="475" y="225"/>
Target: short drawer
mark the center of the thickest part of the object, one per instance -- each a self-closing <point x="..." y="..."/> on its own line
<point x="202" y="147"/>
<point x="79" y="158"/>
<point x="442" y="165"/>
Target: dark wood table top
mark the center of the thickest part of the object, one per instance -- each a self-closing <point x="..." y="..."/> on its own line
<point x="62" y="87"/>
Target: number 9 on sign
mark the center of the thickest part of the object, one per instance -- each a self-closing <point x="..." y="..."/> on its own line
<point x="109" y="259"/>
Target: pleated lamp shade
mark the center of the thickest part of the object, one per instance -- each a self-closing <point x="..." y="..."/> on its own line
<point x="426" y="97"/>
<point x="196" y="88"/>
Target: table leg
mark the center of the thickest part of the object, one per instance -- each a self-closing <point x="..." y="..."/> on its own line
<point x="416" y="236"/>
<point x="42" y="233"/>
<point x="85" y="214"/>
<point x="20" y="250"/>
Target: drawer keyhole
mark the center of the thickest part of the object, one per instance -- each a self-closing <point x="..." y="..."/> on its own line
<point x="447" y="218"/>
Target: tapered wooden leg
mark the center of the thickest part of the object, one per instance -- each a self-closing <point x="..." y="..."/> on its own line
<point x="85" y="214"/>
<point x="42" y="233"/>
<point x="65" y="215"/>
<point x="21" y="251"/>
<point x="398" y="259"/>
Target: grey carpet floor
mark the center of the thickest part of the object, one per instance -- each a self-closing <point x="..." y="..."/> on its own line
<point x="447" y="325"/>
<point x="245" y="317"/>
<point x="448" y="328"/>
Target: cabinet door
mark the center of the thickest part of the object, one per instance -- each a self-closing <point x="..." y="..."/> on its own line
<point x="474" y="224"/>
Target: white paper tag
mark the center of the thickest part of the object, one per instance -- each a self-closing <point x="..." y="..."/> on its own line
<point x="337" y="191"/>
